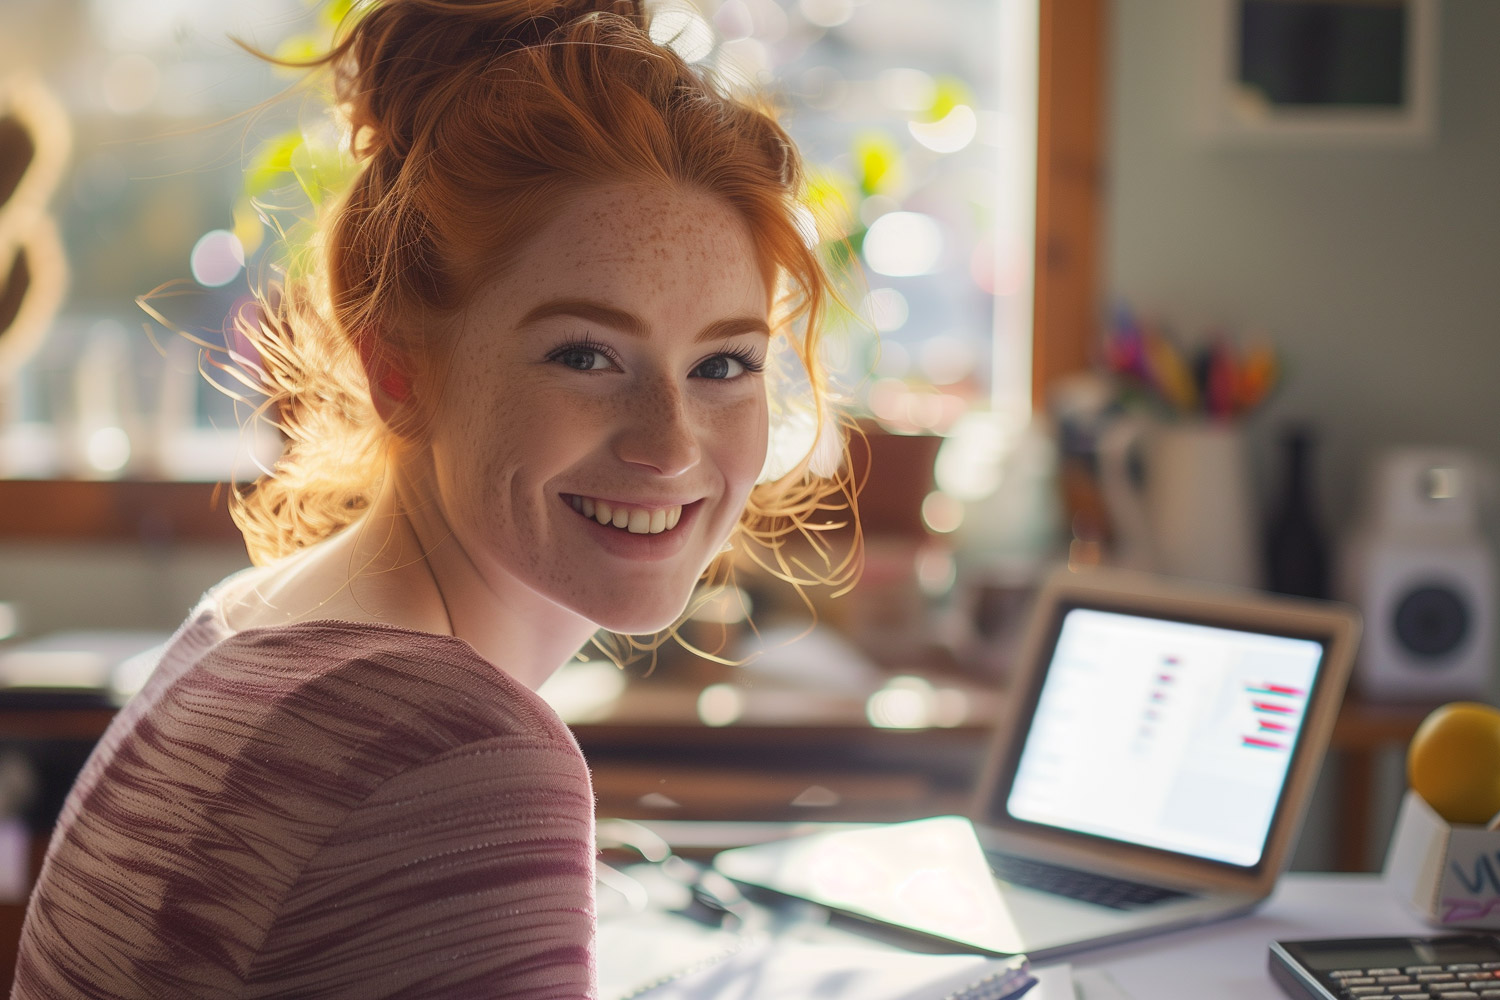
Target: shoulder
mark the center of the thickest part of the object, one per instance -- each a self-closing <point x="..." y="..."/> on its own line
<point x="283" y="761"/>
<point x="415" y="693"/>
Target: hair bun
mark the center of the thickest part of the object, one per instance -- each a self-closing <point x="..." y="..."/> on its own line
<point x="396" y="56"/>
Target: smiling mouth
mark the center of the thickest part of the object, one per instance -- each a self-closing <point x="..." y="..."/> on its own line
<point x="636" y="520"/>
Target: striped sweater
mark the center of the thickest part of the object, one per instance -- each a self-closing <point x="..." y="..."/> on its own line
<point x="325" y="809"/>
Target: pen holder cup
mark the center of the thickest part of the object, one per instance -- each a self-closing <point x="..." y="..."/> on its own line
<point x="1448" y="874"/>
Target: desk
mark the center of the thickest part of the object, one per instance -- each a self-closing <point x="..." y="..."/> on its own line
<point x="1219" y="961"/>
<point x="1227" y="960"/>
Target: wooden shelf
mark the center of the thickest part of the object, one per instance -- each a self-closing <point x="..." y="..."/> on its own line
<point x="55" y="510"/>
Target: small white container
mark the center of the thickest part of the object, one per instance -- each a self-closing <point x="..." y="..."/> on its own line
<point x="1449" y="874"/>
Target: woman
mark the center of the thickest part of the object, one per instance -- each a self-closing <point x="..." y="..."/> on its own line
<point x="526" y="399"/>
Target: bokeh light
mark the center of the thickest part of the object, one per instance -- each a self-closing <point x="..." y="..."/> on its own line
<point x="734" y="20"/>
<point x="903" y="244"/>
<point x="217" y="258"/>
<point x="968" y="462"/>
<point x="744" y="60"/>
<point x="720" y="705"/>
<point x="942" y="512"/>
<point x="826" y="13"/>
<point x="107" y="449"/>
<point x="684" y="31"/>
<point x="908" y="702"/>
<point x="904" y="702"/>
<point x="952" y="132"/>
<point x="885" y="309"/>
<point x="583" y="691"/>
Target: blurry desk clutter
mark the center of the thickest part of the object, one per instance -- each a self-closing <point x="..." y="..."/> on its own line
<point x="653" y="929"/>
<point x="725" y="744"/>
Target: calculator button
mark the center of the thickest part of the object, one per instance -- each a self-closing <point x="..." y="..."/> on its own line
<point x="1382" y="972"/>
<point x="1461" y="995"/>
<point x="1435" y="977"/>
<point x="1463" y="967"/>
<point x="1412" y="969"/>
<point x="1413" y="996"/>
<point x="1489" y="965"/>
<point x="1394" y="980"/>
<point x="1346" y="973"/>
<point x="1490" y="994"/>
<point x="1446" y="988"/>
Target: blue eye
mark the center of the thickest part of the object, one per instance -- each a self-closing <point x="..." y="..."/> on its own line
<point x="585" y="357"/>
<point x="729" y="365"/>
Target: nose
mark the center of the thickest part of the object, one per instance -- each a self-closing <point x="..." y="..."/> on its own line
<point x="660" y="434"/>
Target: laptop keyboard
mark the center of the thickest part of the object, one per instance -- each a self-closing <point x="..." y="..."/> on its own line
<point x="1091" y="887"/>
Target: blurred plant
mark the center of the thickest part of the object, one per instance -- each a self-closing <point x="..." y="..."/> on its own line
<point x="293" y="175"/>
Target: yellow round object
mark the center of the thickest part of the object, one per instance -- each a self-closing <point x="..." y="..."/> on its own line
<point x="1454" y="762"/>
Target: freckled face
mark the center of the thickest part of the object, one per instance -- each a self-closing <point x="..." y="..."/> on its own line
<point x="605" y="418"/>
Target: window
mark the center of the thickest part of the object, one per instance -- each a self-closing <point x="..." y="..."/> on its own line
<point x="918" y="121"/>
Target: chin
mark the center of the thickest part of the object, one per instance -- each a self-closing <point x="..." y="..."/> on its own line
<point x="639" y="621"/>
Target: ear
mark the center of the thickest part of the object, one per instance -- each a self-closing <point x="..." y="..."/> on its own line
<point x="389" y="379"/>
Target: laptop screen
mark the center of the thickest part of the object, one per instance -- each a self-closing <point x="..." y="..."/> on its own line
<point x="1166" y="734"/>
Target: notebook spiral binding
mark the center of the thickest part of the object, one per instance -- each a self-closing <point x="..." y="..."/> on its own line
<point x="1007" y="984"/>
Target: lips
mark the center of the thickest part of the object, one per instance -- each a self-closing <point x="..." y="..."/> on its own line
<point x="635" y="520"/>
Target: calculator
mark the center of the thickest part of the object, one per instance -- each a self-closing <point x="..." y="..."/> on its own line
<point x="1449" y="967"/>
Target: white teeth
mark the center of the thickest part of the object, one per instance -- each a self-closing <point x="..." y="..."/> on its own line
<point x="635" y="520"/>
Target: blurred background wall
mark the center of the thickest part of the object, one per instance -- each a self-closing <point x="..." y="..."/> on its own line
<point x="1374" y="268"/>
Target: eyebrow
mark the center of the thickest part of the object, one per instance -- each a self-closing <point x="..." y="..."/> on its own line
<point x="630" y="323"/>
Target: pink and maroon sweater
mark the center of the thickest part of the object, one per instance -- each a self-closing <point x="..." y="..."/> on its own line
<point x="326" y="809"/>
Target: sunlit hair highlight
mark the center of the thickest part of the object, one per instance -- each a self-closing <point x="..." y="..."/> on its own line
<point x="471" y="122"/>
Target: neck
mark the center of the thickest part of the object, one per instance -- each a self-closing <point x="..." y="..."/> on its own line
<point x="520" y="632"/>
<point x="401" y="565"/>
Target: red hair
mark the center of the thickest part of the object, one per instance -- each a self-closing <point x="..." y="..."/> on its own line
<point x="471" y="122"/>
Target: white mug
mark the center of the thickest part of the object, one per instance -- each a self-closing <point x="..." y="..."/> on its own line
<point x="1192" y="513"/>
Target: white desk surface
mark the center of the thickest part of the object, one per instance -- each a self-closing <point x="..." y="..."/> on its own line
<point x="1227" y="960"/>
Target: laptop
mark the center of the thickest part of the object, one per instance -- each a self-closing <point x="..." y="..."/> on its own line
<point x="1151" y="770"/>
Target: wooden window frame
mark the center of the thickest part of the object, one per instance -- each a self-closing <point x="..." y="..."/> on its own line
<point x="1069" y="189"/>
